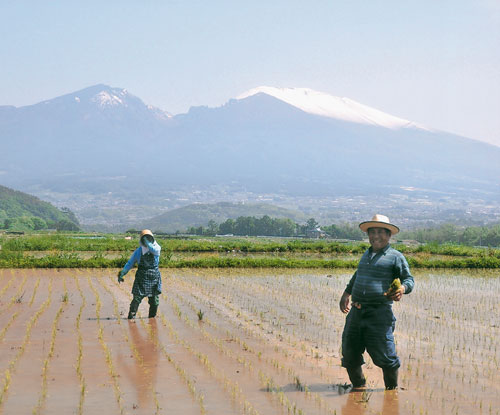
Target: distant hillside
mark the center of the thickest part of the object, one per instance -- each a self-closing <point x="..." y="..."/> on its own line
<point x="101" y="149"/>
<point x="200" y="214"/>
<point x="21" y="211"/>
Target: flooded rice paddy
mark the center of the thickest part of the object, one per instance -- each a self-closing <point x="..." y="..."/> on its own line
<point x="239" y="342"/>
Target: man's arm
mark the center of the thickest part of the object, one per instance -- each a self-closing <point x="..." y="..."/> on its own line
<point x="344" y="300"/>
<point x="407" y="281"/>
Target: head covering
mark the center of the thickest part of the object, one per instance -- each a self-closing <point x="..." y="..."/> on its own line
<point x="379" y="221"/>
<point x="146" y="232"/>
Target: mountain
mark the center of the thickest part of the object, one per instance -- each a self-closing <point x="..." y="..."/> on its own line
<point x="102" y="147"/>
<point x="76" y="134"/>
<point x="19" y="209"/>
<point x="200" y="214"/>
<point x="343" y="109"/>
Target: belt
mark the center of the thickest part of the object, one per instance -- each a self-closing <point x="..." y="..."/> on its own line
<point x="359" y="306"/>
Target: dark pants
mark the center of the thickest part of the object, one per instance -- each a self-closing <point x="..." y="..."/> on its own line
<point x="153" y="301"/>
<point x="370" y="328"/>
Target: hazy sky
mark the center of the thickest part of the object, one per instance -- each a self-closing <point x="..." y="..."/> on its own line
<point x="436" y="62"/>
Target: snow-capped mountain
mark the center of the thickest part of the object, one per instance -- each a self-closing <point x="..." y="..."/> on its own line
<point x="103" y="98"/>
<point x="344" y="109"/>
<point x="289" y="141"/>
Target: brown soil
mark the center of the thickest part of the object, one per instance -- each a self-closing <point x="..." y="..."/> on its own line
<point x="268" y="343"/>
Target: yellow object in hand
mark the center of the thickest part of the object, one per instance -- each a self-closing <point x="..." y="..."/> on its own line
<point x="395" y="285"/>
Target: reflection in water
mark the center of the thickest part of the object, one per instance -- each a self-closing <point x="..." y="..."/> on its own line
<point x="391" y="403"/>
<point x="144" y="365"/>
<point x="357" y="404"/>
<point x="354" y="404"/>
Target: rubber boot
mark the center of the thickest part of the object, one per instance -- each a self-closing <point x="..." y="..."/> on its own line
<point x="152" y="310"/>
<point x="390" y="378"/>
<point x="132" y="310"/>
<point x="356" y="377"/>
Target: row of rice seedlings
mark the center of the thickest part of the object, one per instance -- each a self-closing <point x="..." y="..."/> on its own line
<point x="45" y="368"/>
<point x="239" y="314"/>
<point x="106" y="351"/>
<point x="315" y="325"/>
<point x="213" y="340"/>
<point x="35" y="289"/>
<point x="79" y="358"/>
<point x="230" y="386"/>
<point x="276" y="364"/>
<point x="471" y="337"/>
<point x="240" y="293"/>
<point x="16" y="298"/>
<point x="135" y="352"/>
<point x="188" y="380"/>
<point x="8" y="284"/>
<point x="291" y="407"/>
<point x="29" y="326"/>
<point x="466" y="355"/>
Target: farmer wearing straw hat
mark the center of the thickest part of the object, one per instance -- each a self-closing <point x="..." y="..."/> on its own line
<point x="147" y="281"/>
<point x="370" y="322"/>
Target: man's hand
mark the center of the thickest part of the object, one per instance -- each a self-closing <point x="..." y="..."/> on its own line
<point x="398" y="294"/>
<point x="344" y="303"/>
<point x="120" y="276"/>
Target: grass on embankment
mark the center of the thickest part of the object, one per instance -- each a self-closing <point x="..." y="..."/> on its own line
<point x="65" y="251"/>
<point x="73" y="260"/>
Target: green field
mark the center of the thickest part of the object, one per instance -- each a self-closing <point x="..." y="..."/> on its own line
<point x="112" y="251"/>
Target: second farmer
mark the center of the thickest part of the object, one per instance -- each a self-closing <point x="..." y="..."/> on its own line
<point x="147" y="281"/>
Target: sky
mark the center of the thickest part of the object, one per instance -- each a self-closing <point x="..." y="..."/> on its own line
<point x="433" y="62"/>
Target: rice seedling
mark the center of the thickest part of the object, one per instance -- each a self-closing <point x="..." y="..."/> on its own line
<point x="200" y="314"/>
<point x="105" y="348"/>
<point x="45" y="368"/>
<point x="12" y="364"/>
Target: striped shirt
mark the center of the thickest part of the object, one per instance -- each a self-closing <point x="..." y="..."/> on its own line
<point x="375" y="274"/>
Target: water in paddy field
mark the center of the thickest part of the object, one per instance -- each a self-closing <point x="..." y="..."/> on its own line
<point x="267" y="342"/>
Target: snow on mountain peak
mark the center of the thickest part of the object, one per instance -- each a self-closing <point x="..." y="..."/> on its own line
<point x="106" y="99"/>
<point x="320" y="103"/>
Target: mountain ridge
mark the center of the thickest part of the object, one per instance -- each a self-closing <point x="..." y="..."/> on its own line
<point x="20" y="207"/>
<point x="200" y="214"/>
<point x="116" y="154"/>
<point x="341" y="108"/>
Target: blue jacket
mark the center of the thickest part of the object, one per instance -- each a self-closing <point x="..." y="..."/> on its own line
<point x="154" y="248"/>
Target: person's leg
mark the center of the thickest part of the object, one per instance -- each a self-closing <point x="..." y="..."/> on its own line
<point x="134" y="305"/>
<point x="153" y="301"/>
<point x="353" y="348"/>
<point x="380" y="344"/>
<point x="390" y="378"/>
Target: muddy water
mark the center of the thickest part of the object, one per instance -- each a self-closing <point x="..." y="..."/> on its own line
<point x="268" y="343"/>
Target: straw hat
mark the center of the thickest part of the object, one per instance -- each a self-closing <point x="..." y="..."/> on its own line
<point x="379" y="221"/>
<point x="146" y="232"/>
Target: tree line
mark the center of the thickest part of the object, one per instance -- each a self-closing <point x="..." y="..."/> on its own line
<point x="34" y="223"/>
<point x="267" y="226"/>
<point x="450" y="233"/>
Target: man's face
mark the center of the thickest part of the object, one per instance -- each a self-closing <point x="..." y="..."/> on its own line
<point x="379" y="238"/>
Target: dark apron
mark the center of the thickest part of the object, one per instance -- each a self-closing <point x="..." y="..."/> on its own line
<point x="147" y="281"/>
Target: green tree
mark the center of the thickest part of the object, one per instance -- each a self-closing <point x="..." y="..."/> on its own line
<point x="212" y="228"/>
<point x="66" y="225"/>
<point x="38" y="223"/>
<point x="311" y="224"/>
